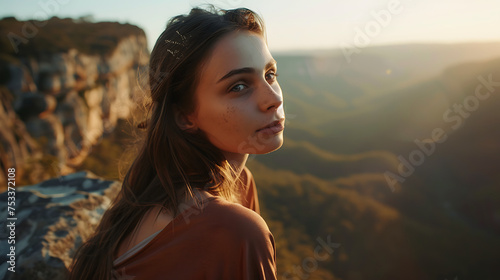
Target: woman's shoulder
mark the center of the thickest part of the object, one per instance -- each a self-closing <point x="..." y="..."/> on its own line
<point x="229" y="223"/>
<point x="236" y="218"/>
<point x="234" y="228"/>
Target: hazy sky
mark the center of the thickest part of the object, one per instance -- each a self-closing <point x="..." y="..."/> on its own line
<point x="318" y="24"/>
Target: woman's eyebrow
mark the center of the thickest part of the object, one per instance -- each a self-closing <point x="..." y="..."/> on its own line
<point x="245" y="70"/>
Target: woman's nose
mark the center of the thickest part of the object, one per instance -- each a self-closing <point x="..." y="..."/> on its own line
<point x="270" y="98"/>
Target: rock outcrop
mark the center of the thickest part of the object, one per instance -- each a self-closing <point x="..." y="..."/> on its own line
<point x="53" y="217"/>
<point x="57" y="105"/>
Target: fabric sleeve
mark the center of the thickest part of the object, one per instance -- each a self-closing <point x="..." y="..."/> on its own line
<point x="259" y="258"/>
<point x="248" y="246"/>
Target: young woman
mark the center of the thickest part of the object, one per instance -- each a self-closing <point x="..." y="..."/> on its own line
<point x="188" y="208"/>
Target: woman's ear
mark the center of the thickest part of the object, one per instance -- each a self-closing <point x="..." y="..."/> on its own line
<point x="183" y="121"/>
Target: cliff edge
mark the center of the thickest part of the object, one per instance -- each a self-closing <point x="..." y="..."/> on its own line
<point x="64" y="83"/>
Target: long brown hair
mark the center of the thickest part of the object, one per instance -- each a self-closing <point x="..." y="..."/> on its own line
<point x="170" y="160"/>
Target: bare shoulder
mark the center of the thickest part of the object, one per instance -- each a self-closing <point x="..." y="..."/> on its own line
<point x="154" y="220"/>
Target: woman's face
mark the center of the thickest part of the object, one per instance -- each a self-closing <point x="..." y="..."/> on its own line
<point x="238" y="96"/>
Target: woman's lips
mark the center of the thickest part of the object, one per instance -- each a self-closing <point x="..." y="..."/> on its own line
<point x="273" y="127"/>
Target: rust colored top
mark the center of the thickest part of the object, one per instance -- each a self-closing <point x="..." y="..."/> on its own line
<point x="215" y="241"/>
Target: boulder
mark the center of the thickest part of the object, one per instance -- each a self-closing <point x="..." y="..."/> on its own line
<point x="53" y="217"/>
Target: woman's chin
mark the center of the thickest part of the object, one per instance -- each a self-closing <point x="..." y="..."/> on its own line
<point x="270" y="145"/>
<point x="257" y="145"/>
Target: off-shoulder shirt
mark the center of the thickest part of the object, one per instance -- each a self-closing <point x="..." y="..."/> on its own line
<point x="215" y="241"/>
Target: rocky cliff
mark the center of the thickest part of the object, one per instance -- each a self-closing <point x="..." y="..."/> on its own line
<point x="51" y="220"/>
<point x="58" y="101"/>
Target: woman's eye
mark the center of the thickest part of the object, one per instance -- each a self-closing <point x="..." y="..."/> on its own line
<point x="271" y="76"/>
<point x="238" y="88"/>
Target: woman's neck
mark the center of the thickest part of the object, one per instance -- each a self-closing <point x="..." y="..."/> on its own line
<point x="236" y="160"/>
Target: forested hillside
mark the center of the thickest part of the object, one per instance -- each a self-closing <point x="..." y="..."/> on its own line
<point x="390" y="162"/>
<point x="328" y="182"/>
